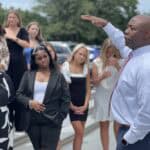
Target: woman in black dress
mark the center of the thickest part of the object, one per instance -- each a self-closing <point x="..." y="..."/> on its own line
<point x="76" y="73"/>
<point x="17" y="39"/>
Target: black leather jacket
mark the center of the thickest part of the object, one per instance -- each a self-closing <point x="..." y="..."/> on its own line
<point x="56" y="99"/>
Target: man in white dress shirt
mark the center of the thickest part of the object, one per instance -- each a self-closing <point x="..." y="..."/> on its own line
<point x="130" y="102"/>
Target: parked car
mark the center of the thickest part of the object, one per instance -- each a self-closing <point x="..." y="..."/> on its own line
<point x="94" y="51"/>
<point x="63" y="51"/>
<point x="71" y="44"/>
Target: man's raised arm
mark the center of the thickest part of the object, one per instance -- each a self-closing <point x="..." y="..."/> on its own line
<point x="114" y="34"/>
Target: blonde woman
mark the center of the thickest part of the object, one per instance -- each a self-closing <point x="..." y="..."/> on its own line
<point x="17" y="39"/>
<point x="76" y="73"/>
<point x="105" y="73"/>
<point x="35" y="38"/>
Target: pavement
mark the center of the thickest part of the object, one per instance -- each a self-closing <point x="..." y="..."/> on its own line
<point x="92" y="141"/>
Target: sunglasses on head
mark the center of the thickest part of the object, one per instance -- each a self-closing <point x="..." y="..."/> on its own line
<point x="40" y="47"/>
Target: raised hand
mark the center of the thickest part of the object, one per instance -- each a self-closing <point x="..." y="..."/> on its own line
<point x="97" y="21"/>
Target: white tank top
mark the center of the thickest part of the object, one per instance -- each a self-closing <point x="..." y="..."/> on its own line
<point x="39" y="91"/>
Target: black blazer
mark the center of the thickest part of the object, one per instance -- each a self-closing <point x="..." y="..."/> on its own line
<point x="56" y="99"/>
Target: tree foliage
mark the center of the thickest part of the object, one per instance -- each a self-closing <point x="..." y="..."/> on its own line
<point x="65" y="22"/>
<point x="60" y="19"/>
<point x="64" y="17"/>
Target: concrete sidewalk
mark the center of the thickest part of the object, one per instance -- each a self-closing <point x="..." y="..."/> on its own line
<point x="92" y="141"/>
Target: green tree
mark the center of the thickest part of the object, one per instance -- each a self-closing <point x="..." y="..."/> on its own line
<point x="60" y="19"/>
<point x="3" y="14"/>
<point x="65" y="22"/>
<point x="64" y="18"/>
<point x="117" y="11"/>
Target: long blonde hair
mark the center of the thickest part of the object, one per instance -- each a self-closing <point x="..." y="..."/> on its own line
<point x="39" y="36"/>
<point x="106" y="45"/>
<point x="76" y="49"/>
<point x="16" y="13"/>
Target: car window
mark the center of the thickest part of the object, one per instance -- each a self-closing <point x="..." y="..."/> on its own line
<point x="60" y="49"/>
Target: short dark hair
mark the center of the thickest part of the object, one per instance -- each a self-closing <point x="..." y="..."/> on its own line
<point x="34" y="66"/>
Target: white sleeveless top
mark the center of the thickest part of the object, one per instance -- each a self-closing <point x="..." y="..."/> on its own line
<point x="39" y="91"/>
<point x="109" y="82"/>
<point x="67" y="74"/>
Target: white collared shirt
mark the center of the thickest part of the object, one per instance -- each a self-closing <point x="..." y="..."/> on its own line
<point x="131" y="98"/>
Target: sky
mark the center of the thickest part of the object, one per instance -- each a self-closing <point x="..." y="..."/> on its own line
<point x="144" y="5"/>
<point x="23" y="4"/>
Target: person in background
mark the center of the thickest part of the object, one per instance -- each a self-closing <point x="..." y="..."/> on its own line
<point x="51" y="50"/>
<point x="4" y="52"/>
<point x="17" y="38"/>
<point x="45" y="95"/>
<point x="130" y="99"/>
<point x="105" y="73"/>
<point x="6" y="97"/>
<point x="6" y="93"/>
<point x="76" y="73"/>
<point x="53" y="54"/>
<point x="35" y="38"/>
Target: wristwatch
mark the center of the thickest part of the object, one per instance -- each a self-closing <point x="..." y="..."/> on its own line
<point x="124" y="142"/>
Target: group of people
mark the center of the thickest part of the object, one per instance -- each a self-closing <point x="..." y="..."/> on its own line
<point x="37" y="94"/>
<point x="34" y="96"/>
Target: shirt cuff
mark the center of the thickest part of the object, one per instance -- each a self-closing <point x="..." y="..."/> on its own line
<point x="29" y="104"/>
<point x="130" y="137"/>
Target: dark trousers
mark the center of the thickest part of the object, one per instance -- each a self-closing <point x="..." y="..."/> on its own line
<point x="139" y="145"/>
<point x="44" y="137"/>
